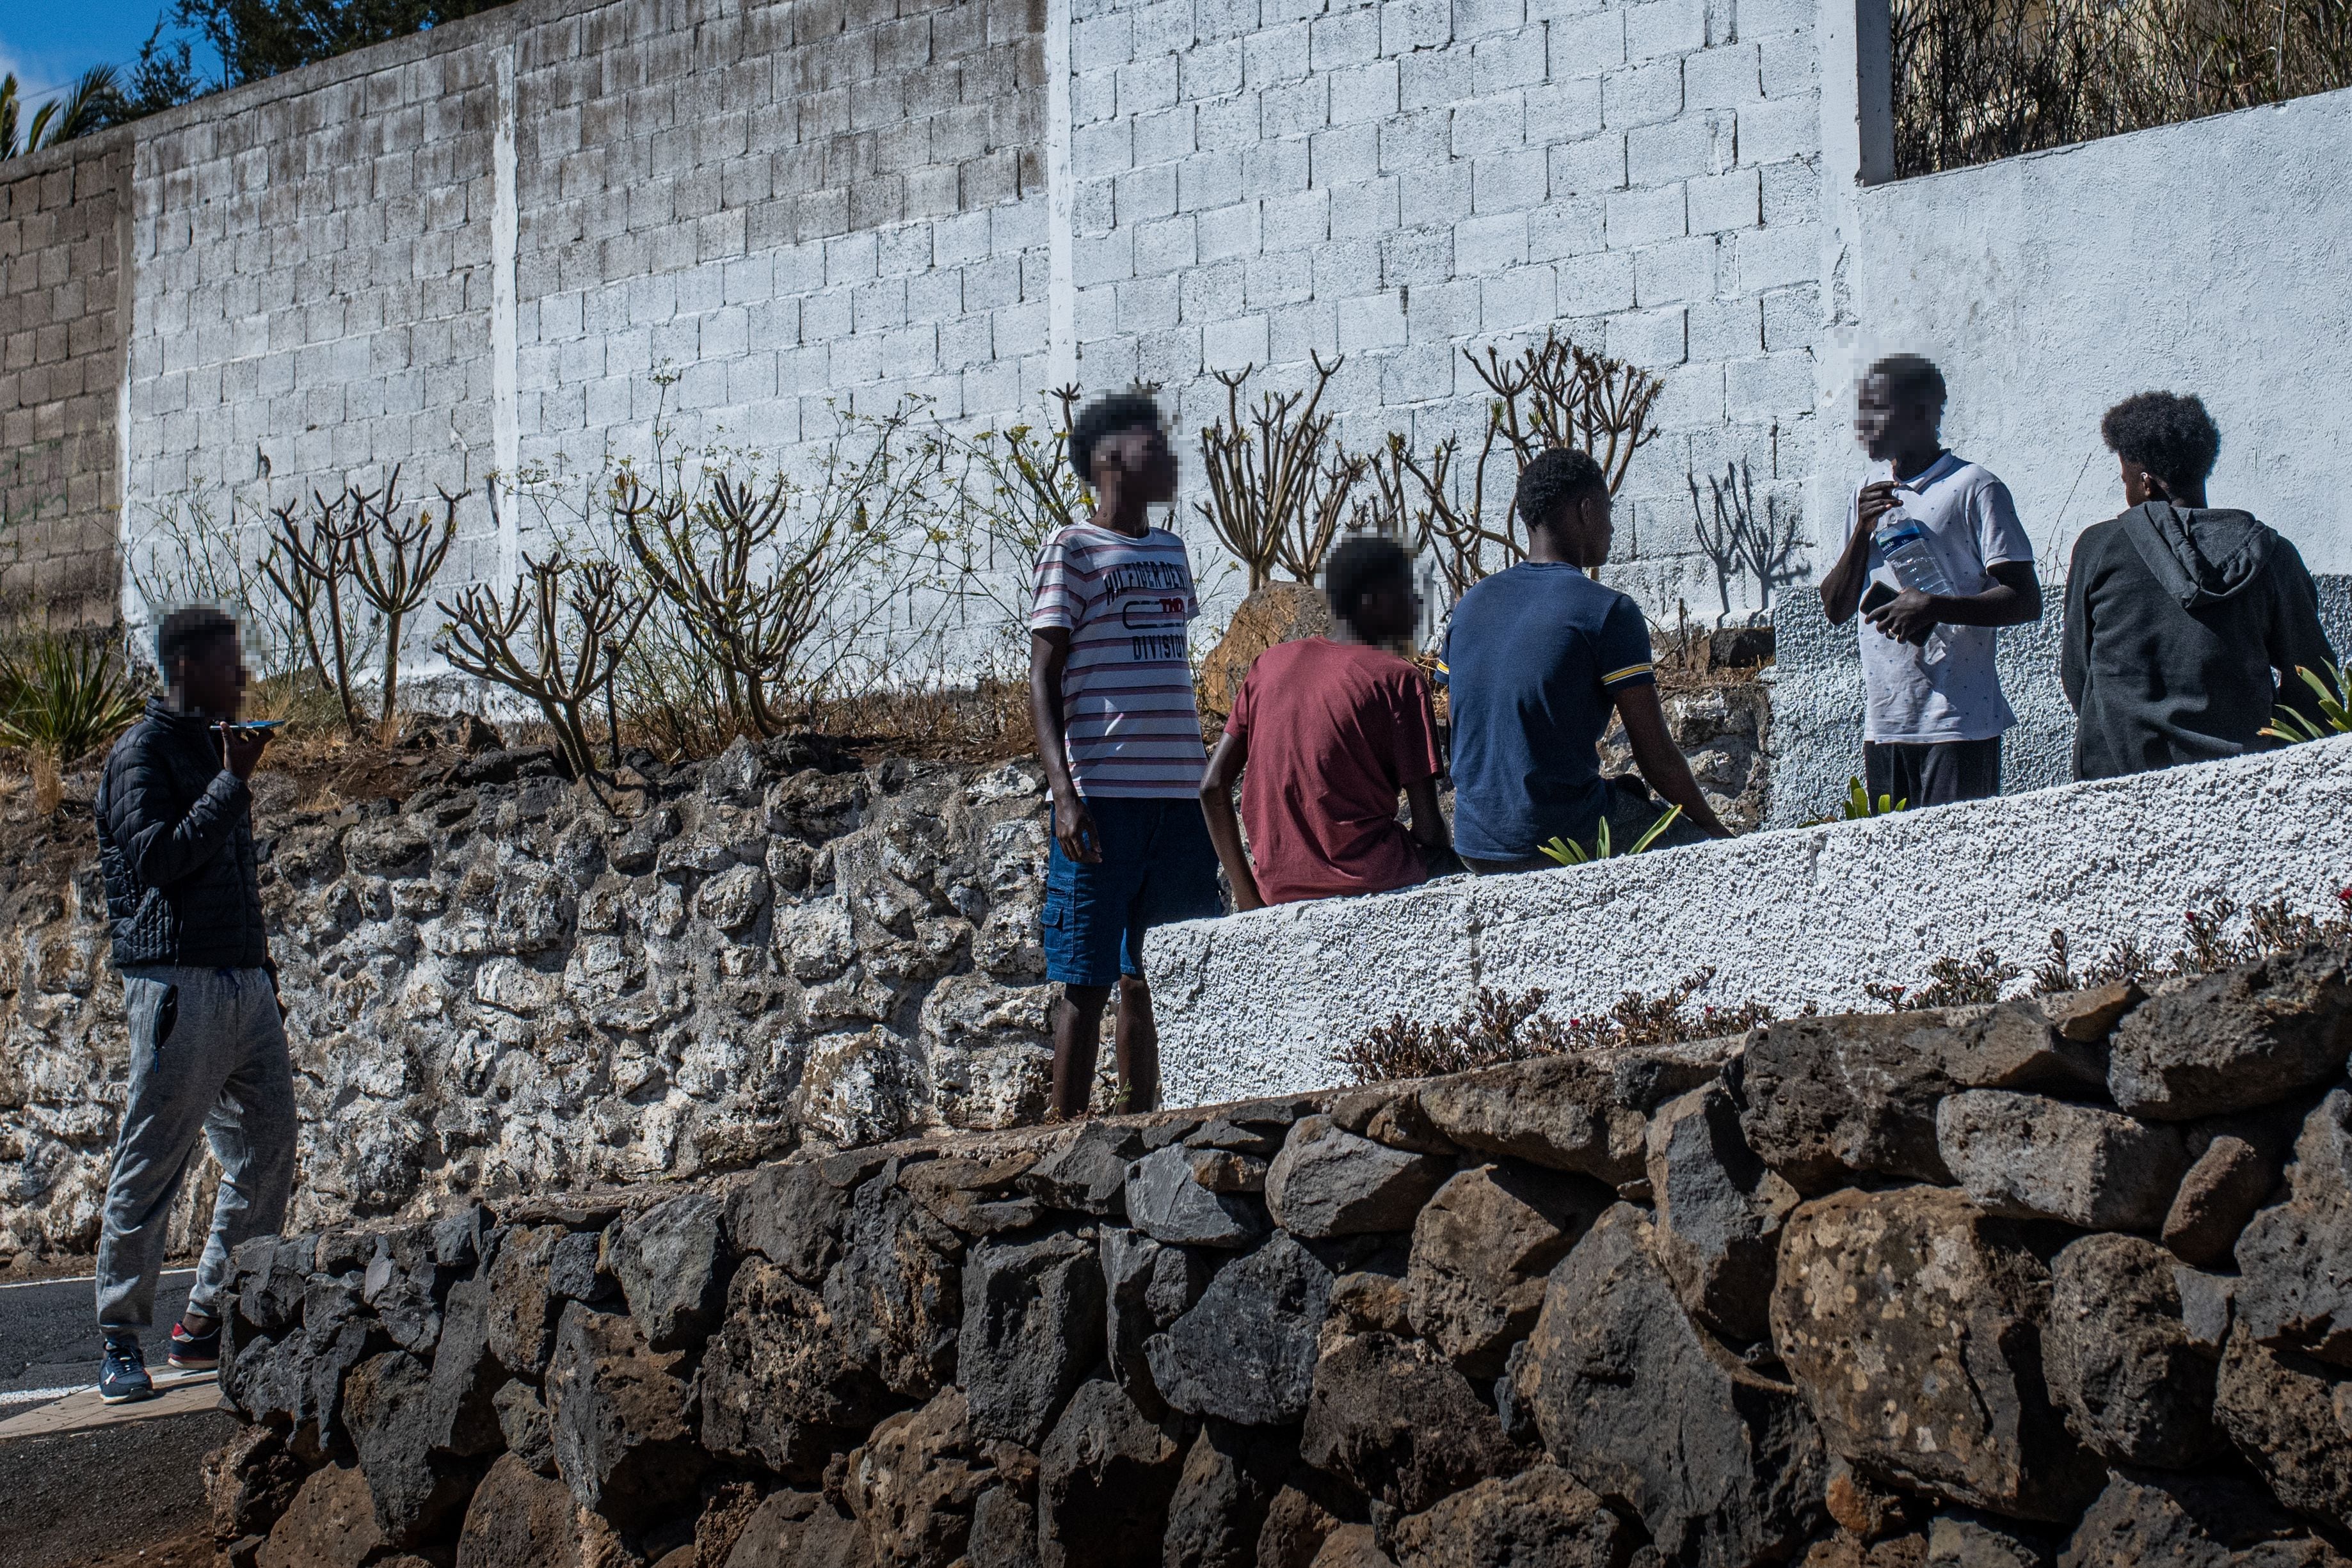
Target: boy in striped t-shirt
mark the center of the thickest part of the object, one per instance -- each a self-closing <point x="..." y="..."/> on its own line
<point x="1110" y="691"/>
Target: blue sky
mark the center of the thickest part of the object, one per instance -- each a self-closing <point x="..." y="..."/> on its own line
<point x="48" y="44"/>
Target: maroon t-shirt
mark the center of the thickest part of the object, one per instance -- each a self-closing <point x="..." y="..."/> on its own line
<point x="1335" y="730"/>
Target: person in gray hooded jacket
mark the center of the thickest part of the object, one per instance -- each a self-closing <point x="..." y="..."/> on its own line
<point x="2185" y="623"/>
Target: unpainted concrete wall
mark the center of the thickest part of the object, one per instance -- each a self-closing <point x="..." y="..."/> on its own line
<point x="1258" y="1003"/>
<point x="61" y="278"/>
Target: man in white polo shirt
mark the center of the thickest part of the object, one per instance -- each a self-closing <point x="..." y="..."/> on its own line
<point x="1930" y="594"/>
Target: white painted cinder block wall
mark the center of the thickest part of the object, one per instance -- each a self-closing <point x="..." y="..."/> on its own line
<point x="472" y="250"/>
<point x="1259" y="1003"/>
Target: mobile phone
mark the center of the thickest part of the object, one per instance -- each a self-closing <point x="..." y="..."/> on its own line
<point x="1876" y="597"/>
<point x="262" y="725"/>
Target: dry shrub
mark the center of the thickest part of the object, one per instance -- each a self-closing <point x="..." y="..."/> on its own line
<point x="2212" y="941"/>
<point x="1981" y="80"/>
<point x="1495" y="1027"/>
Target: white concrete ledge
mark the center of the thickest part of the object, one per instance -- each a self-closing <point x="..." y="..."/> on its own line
<point x="1258" y="1003"/>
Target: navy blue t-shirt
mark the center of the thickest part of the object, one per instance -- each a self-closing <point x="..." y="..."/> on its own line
<point x="1532" y="662"/>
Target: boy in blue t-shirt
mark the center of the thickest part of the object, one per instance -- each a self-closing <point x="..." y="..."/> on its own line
<point x="1536" y="658"/>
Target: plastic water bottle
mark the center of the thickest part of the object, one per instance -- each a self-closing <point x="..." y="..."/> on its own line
<point x="1904" y="544"/>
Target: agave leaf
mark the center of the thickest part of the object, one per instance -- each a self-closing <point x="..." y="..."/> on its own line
<point x="1655" y="829"/>
<point x="1601" y="851"/>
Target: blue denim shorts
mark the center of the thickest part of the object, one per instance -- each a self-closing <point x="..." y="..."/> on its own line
<point x="1157" y="866"/>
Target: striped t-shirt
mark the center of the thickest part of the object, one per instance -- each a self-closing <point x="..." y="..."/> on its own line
<point x="1127" y="717"/>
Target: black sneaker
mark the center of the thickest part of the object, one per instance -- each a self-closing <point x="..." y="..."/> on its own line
<point x="123" y="1375"/>
<point x="194" y="1352"/>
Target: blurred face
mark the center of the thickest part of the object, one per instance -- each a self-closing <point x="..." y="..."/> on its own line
<point x="1886" y="424"/>
<point x="1146" y="467"/>
<point x="212" y="678"/>
<point x="1388" y="611"/>
<point x="1589" y="528"/>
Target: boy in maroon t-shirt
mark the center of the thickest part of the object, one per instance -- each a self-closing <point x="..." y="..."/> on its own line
<point x="1324" y="734"/>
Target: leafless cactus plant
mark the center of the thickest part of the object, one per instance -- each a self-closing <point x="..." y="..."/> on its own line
<point x="1278" y="485"/>
<point x="393" y="561"/>
<point x="574" y="618"/>
<point x="310" y="565"/>
<point x="1556" y="394"/>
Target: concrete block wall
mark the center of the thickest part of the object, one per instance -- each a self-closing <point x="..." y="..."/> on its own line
<point x="1257" y="181"/>
<point x="61" y="378"/>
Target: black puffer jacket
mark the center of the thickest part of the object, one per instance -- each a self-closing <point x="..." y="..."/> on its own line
<point x="175" y="843"/>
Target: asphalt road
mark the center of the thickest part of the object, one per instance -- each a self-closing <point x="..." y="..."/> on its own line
<point x="127" y="1493"/>
<point x="49" y="1338"/>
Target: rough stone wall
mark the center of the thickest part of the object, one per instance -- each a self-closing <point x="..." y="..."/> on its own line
<point x="1979" y="1287"/>
<point x="60" y="379"/>
<point x="496" y="987"/>
<point x="1810" y="916"/>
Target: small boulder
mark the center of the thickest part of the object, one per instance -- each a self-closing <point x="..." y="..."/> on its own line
<point x="1033" y="1328"/>
<point x="331" y="1523"/>
<point x="1246" y="1350"/>
<point x="2234" y="1040"/>
<point x="1719" y="1212"/>
<point x="800" y="1530"/>
<point x="1540" y="1518"/>
<point x="519" y="1519"/>
<point x="1827" y="1100"/>
<point x="625" y="1436"/>
<point x="1329" y="1182"/>
<point x="1399" y="1423"/>
<point x="249" y="1481"/>
<point x="1104" y="1482"/>
<point x="1564" y="1112"/>
<point x="912" y="1486"/>
<point x="897" y="1292"/>
<point x="1147" y="1287"/>
<point x="1913" y="1321"/>
<point x="2150" y="1518"/>
<point x="522" y="1423"/>
<point x="791" y="1214"/>
<point x="522" y="1310"/>
<point x="2217" y="1197"/>
<point x="2025" y="1157"/>
<point x="2089" y="1016"/>
<point x="2018" y="1045"/>
<point x="2286" y="1415"/>
<point x="1088" y="1172"/>
<point x="670" y="1262"/>
<point x="1003" y="1529"/>
<point x="783" y="1386"/>
<point x="1966" y="1539"/>
<point x="398" y="1426"/>
<point x="1481" y="1251"/>
<point x="1721" y="1462"/>
<point x="2297" y="1256"/>
<point x="2137" y="1388"/>
<point x="1230" y="1479"/>
<point x="1166" y="1203"/>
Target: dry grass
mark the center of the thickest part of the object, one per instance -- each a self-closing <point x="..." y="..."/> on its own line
<point x="1494" y="1027"/>
<point x="1981" y="80"/>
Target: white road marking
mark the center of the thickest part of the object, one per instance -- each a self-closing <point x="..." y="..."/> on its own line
<point x="80" y="1279"/>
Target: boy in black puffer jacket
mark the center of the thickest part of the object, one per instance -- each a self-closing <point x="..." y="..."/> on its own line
<point x="207" y="1046"/>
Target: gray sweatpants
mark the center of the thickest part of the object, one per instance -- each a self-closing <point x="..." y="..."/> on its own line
<point x="208" y="1060"/>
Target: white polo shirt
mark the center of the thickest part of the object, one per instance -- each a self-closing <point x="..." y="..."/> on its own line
<point x="1972" y="524"/>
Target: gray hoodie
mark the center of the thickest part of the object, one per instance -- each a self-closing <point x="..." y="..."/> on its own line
<point x="2184" y="630"/>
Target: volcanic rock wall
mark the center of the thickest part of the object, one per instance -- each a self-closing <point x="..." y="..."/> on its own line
<point x="2061" y="1278"/>
<point x="499" y="985"/>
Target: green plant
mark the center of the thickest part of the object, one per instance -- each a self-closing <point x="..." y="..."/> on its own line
<point x="61" y="697"/>
<point x="1952" y="982"/>
<point x="2331" y="693"/>
<point x="1568" y="853"/>
<point x="1858" y="806"/>
<point x="94" y="103"/>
